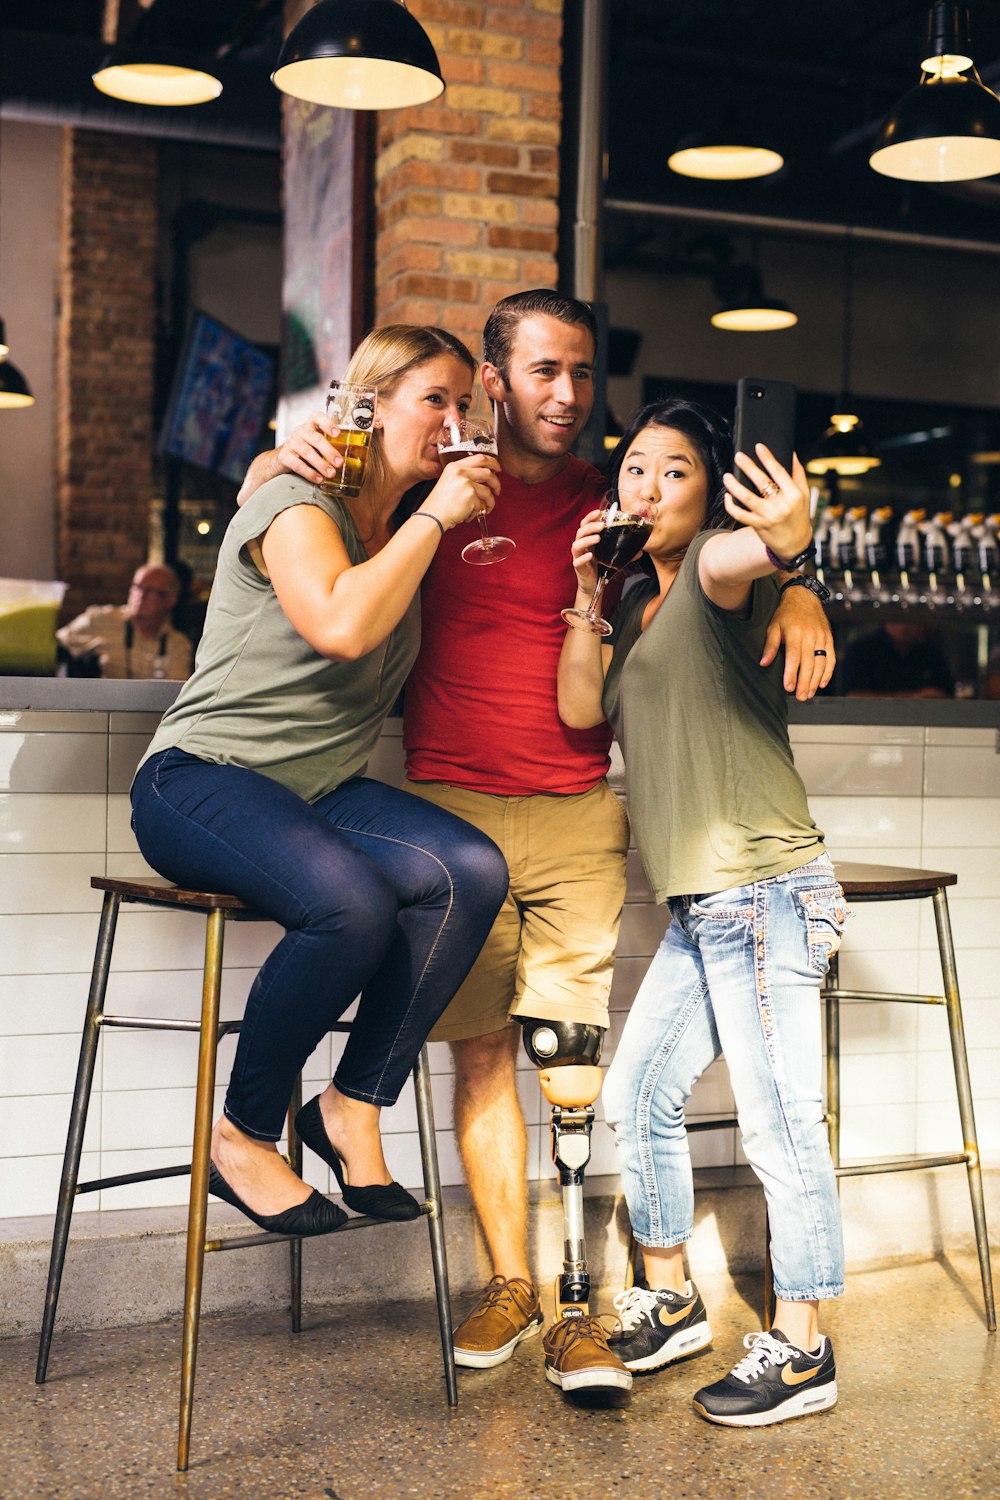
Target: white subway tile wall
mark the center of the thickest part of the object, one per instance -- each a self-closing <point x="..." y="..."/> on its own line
<point x="889" y="795"/>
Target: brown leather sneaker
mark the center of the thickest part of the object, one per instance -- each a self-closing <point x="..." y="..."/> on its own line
<point x="577" y="1356"/>
<point x="508" y="1312"/>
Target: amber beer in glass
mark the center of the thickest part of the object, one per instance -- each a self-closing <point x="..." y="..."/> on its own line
<point x="352" y="407"/>
<point x="459" y="440"/>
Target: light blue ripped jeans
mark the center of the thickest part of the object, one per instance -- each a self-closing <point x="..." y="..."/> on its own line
<point x="738" y="973"/>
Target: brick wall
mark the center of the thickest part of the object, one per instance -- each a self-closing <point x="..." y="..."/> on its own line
<point x="467" y="186"/>
<point x="104" y="363"/>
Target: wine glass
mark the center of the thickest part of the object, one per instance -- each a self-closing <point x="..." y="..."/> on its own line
<point x="459" y="439"/>
<point x="625" y="529"/>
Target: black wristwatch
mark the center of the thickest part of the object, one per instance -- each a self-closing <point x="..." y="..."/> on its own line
<point x="789" y="564"/>
<point x="807" y="581"/>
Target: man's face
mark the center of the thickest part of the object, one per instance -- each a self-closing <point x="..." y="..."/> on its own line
<point x="544" y="404"/>
<point x="152" y="595"/>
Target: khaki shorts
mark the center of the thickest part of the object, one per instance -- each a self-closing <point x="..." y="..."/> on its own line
<point x="551" y="949"/>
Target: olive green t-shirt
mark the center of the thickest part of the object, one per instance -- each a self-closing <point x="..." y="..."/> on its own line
<point x="713" y="793"/>
<point x="260" y="696"/>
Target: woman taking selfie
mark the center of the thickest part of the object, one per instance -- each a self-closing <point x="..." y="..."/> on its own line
<point x="254" y="783"/>
<point x="724" y="832"/>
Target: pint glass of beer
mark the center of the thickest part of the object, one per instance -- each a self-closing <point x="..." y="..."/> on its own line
<point x="352" y="407"/>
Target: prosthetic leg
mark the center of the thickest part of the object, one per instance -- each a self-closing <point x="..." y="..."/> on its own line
<point x="578" y="1357"/>
<point x="566" y="1054"/>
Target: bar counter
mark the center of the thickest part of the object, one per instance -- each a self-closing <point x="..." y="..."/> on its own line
<point x="908" y="782"/>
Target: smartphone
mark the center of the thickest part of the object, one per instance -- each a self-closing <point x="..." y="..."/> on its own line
<point x="765" y="413"/>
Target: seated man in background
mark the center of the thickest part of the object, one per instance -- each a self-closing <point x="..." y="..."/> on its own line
<point x="134" y="639"/>
<point x="900" y="660"/>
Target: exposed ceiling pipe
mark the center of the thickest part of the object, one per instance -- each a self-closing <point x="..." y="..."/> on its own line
<point x="771" y="224"/>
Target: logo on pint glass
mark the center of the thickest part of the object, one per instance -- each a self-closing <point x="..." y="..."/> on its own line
<point x="363" y="414"/>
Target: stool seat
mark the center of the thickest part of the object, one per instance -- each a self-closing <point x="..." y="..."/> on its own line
<point x="886" y="882"/>
<point x="153" y="890"/>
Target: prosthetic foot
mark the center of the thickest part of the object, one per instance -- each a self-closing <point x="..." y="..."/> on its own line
<point x="577" y="1356"/>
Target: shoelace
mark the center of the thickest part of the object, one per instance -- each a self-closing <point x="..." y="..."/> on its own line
<point x="568" y="1331"/>
<point x="764" y="1351"/>
<point x="500" y="1293"/>
<point x="632" y="1306"/>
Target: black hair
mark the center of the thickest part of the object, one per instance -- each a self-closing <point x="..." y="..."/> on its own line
<point x="710" y="434"/>
<point x="502" y="323"/>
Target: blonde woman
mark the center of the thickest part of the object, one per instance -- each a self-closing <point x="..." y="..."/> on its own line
<point x="254" y="783"/>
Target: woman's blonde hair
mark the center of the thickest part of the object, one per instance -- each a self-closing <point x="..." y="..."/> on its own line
<point x="383" y="357"/>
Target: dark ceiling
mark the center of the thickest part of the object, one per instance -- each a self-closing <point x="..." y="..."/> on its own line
<point x="818" y="78"/>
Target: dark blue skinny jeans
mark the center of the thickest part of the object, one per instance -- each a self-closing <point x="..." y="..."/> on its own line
<point x="380" y="894"/>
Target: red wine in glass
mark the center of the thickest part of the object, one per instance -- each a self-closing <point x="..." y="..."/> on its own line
<point x="623" y="535"/>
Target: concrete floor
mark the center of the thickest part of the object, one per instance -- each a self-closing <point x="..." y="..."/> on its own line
<point x="353" y="1409"/>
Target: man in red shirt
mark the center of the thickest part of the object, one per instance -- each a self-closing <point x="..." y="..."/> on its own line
<point x="483" y="738"/>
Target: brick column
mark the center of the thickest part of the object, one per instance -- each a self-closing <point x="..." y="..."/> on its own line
<point x="104" y="363"/>
<point x="467" y="186"/>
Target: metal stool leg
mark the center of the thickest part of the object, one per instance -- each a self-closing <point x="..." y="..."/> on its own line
<point x="198" y="1205"/>
<point x="435" y="1221"/>
<point x="831" y="985"/>
<point x="295" y="1245"/>
<point x="78" y="1122"/>
<point x="963" y="1088"/>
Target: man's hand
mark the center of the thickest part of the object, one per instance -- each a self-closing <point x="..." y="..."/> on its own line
<point x="308" y="452"/>
<point x="800" y="625"/>
<point x="305" y="452"/>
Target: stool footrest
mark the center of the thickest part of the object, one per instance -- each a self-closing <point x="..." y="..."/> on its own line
<point x="729" y="1122"/>
<point x="838" y="994"/>
<point x="903" y="1164"/>
<point x="153" y="1175"/>
<point x="247" y="1241"/>
<point x="165" y="1023"/>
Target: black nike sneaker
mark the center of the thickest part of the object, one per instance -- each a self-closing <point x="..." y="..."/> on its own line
<point x="771" y="1383"/>
<point x="659" y="1327"/>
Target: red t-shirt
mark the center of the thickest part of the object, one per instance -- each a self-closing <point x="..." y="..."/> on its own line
<point x="480" y="704"/>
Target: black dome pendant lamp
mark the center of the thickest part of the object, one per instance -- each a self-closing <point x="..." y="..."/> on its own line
<point x="359" y="54"/>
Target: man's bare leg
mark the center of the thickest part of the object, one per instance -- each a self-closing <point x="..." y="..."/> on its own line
<point x="493" y="1142"/>
<point x="494" y="1145"/>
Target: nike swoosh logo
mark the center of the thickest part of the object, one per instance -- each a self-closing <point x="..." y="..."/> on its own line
<point x="796" y="1377"/>
<point x="667" y="1318"/>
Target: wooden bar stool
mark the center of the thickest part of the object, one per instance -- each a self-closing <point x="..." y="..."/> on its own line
<point x="218" y="909"/>
<point x="862" y="882"/>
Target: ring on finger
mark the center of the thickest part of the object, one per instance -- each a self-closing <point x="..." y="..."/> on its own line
<point x="819" y="653"/>
<point x="769" y="489"/>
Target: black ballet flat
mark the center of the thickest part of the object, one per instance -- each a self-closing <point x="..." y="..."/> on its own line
<point x="317" y="1215"/>
<point x="381" y="1200"/>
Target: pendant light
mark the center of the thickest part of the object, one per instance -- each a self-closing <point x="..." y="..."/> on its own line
<point x="745" y="306"/>
<point x="359" y="54"/>
<point x="842" y="449"/>
<point x="155" y="63"/>
<point x="947" y="129"/>
<point x="14" y="389"/>
<point x="162" y="76"/>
